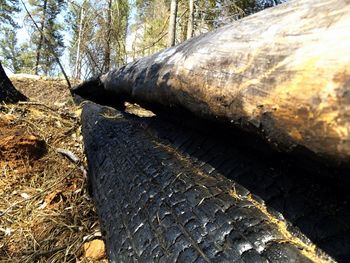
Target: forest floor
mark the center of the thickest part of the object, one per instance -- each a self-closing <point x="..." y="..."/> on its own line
<point x="46" y="214"/>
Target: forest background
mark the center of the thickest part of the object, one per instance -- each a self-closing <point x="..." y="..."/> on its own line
<point x="90" y="37"/>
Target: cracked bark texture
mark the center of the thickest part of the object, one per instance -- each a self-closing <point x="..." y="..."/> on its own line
<point x="156" y="204"/>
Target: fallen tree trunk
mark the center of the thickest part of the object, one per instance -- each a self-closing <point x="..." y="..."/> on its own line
<point x="156" y="204"/>
<point x="8" y="92"/>
<point x="282" y="73"/>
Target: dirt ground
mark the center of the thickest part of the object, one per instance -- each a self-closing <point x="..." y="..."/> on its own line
<point x="46" y="214"/>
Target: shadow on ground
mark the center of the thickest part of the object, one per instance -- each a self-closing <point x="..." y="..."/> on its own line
<point x="312" y="196"/>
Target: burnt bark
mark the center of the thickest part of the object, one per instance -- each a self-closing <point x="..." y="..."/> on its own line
<point x="8" y="93"/>
<point x="157" y="204"/>
<point x="282" y="73"/>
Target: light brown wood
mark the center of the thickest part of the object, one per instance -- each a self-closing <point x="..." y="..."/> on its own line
<point x="283" y="73"/>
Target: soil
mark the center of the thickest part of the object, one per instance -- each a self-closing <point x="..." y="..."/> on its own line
<point x="45" y="90"/>
<point x="17" y="144"/>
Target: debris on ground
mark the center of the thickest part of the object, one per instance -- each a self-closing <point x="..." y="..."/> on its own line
<point x="95" y="249"/>
<point x="46" y="213"/>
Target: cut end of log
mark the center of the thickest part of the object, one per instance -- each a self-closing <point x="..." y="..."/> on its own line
<point x="93" y="89"/>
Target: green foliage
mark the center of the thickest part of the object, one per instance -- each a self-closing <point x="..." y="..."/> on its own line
<point x="89" y="26"/>
<point x="214" y="13"/>
<point x="82" y="23"/>
<point x="152" y="20"/>
<point x="26" y="58"/>
<point x="150" y="27"/>
<point x="9" y="50"/>
<point x="48" y="40"/>
<point x="120" y="17"/>
<point x="7" y="9"/>
<point x="8" y="40"/>
<point x="16" y="58"/>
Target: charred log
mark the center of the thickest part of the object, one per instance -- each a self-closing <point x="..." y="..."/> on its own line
<point x="281" y="73"/>
<point x="157" y="204"/>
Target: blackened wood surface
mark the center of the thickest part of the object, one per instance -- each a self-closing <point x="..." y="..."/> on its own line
<point x="8" y="93"/>
<point x="158" y="204"/>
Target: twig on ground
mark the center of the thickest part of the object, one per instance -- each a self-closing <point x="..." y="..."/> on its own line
<point x="71" y="156"/>
<point x="38" y="254"/>
<point x="35" y="103"/>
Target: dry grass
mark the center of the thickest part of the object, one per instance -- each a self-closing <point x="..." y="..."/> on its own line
<point x="48" y="91"/>
<point x="46" y="214"/>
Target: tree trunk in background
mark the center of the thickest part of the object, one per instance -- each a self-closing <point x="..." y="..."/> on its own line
<point x="282" y="73"/>
<point x="172" y="23"/>
<point x="8" y="93"/>
<point x="38" y="51"/>
<point x="107" y="62"/>
<point x="77" y="68"/>
<point x="190" y="19"/>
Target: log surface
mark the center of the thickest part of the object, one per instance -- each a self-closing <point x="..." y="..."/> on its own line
<point x="8" y="92"/>
<point x="282" y="73"/>
<point x="156" y="204"/>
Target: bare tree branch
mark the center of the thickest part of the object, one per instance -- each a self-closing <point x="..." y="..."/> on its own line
<point x="49" y="43"/>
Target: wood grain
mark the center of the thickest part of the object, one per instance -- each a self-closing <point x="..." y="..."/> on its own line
<point x="282" y="73"/>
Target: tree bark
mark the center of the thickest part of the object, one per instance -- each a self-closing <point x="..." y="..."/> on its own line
<point x="172" y="23"/>
<point x="77" y="68"/>
<point x="8" y="93"/>
<point x="107" y="62"/>
<point x="282" y="73"/>
<point x="190" y="19"/>
<point x="38" y="50"/>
